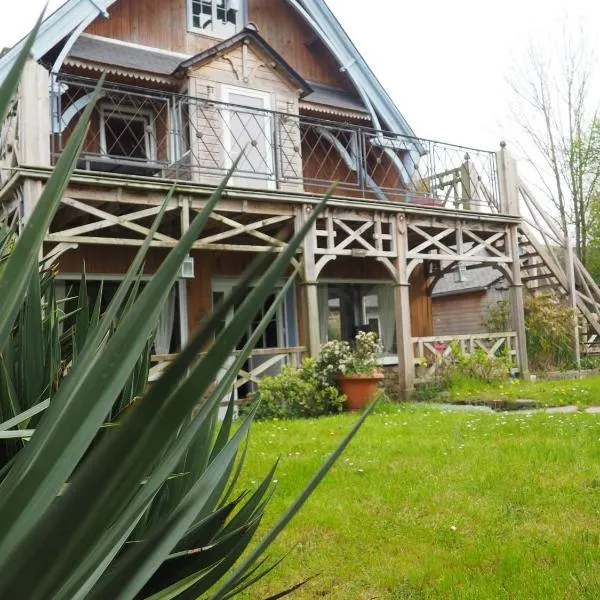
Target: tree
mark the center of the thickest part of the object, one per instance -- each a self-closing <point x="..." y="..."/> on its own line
<point x="555" y="107"/>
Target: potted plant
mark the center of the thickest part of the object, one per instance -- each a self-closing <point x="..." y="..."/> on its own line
<point x="356" y="371"/>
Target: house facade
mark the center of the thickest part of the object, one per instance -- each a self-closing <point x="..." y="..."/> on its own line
<point x="193" y="84"/>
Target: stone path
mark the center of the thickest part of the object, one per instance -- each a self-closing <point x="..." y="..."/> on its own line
<point x="475" y="408"/>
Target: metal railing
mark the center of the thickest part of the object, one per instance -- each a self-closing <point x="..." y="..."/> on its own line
<point x="148" y="132"/>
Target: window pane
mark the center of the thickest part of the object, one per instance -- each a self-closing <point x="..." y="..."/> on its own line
<point x="125" y="137"/>
<point x="220" y="16"/>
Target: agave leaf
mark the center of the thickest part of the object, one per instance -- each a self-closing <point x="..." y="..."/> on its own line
<point x="24" y="416"/>
<point x="72" y="422"/>
<point x="230" y="583"/>
<point x="23" y="259"/>
<point x="129" y="574"/>
<point x="247" y="511"/>
<point x="204" y="531"/>
<point x="163" y="469"/>
<point x="290" y="590"/>
<point x="189" y="563"/>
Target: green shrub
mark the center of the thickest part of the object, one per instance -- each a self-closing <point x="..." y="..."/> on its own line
<point x="477" y="365"/>
<point x="297" y="393"/>
<point x="549" y="327"/>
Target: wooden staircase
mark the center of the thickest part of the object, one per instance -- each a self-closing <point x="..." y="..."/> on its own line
<point x="544" y="252"/>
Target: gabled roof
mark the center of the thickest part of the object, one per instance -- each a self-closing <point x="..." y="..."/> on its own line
<point x="247" y="35"/>
<point x="74" y="15"/>
<point x="476" y="280"/>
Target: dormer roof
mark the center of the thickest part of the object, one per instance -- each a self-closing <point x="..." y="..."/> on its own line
<point x="249" y="35"/>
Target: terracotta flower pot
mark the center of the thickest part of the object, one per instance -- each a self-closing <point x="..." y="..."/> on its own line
<point x="359" y="390"/>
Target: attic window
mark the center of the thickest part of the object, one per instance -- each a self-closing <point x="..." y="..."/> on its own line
<point x="222" y="18"/>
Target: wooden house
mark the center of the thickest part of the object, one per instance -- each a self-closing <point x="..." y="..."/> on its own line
<point x="192" y="84"/>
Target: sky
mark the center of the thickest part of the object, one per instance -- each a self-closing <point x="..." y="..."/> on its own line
<point x="444" y="63"/>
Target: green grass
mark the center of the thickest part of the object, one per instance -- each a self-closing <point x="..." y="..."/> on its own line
<point x="585" y="391"/>
<point x="433" y="504"/>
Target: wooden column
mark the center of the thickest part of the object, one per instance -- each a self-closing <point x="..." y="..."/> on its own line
<point x="570" y="271"/>
<point x="182" y="284"/>
<point x="34" y="128"/>
<point x="406" y="363"/>
<point x="310" y="296"/>
<point x="509" y="204"/>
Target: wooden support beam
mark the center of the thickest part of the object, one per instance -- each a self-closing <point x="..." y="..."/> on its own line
<point x="509" y="203"/>
<point x="570" y="270"/>
<point x="34" y="116"/>
<point x="310" y="292"/>
<point x="406" y="368"/>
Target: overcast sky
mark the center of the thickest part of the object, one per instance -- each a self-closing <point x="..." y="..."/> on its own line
<point x="444" y="63"/>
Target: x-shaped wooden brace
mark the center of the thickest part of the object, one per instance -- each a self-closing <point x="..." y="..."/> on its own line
<point x="108" y="220"/>
<point x="250" y="229"/>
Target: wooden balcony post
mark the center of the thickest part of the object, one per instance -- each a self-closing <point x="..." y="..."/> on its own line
<point x="310" y="294"/>
<point x="406" y="366"/>
<point x="509" y="204"/>
<point x="34" y="116"/>
<point x="34" y="128"/>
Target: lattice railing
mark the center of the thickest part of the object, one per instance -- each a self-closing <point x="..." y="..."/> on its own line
<point x="148" y="132"/>
<point x="429" y="352"/>
<point x="262" y="362"/>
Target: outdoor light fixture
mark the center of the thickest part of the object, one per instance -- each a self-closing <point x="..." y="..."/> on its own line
<point x="187" y="268"/>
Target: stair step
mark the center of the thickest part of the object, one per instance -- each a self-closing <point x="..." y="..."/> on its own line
<point x="539" y="277"/>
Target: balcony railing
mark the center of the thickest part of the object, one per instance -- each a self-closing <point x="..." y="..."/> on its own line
<point x="154" y="133"/>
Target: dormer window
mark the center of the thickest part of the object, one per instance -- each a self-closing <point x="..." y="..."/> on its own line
<point x="219" y="18"/>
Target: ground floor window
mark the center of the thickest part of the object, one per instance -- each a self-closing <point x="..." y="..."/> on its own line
<point x="347" y="308"/>
<point x="167" y="339"/>
<point x="281" y="331"/>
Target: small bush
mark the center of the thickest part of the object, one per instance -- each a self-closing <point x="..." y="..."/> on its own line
<point x="549" y="333"/>
<point x="549" y="327"/>
<point x="297" y="393"/>
<point x="478" y="365"/>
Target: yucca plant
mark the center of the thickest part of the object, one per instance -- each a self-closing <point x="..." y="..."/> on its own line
<point x="144" y="510"/>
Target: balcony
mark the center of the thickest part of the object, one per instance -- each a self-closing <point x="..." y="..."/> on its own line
<point x="152" y="133"/>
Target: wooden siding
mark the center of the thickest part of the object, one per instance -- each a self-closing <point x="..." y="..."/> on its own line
<point x="420" y="304"/>
<point x="253" y="71"/>
<point x="163" y="24"/>
<point x="459" y="314"/>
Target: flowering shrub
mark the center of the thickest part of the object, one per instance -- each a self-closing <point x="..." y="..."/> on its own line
<point x="338" y="358"/>
<point x="297" y="393"/>
<point x="332" y="361"/>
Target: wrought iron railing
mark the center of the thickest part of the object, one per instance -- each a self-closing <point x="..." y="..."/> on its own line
<point x="149" y="132"/>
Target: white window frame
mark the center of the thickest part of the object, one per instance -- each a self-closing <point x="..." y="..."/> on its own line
<point x="226" y="91"/>
<point x="218" y="29"/>
<point x="145" y="116"/>
<point x="225" y="285"/>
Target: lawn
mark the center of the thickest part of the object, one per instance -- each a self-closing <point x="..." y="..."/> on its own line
<point x="427" y="503"/>
<point x="585" y="391"/>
